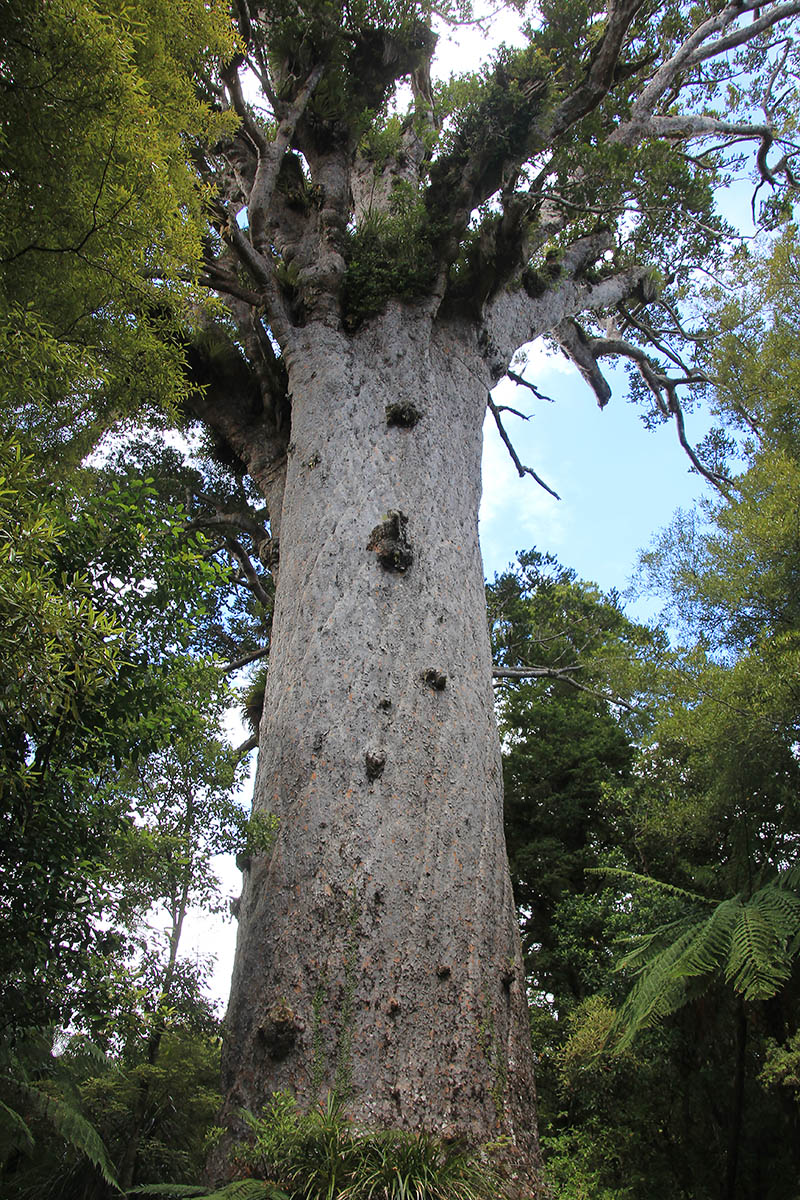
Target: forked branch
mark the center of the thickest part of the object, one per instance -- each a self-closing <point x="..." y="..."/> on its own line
<point x="522" y="470"/>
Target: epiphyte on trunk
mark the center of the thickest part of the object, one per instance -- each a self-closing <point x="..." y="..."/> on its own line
<point x="279" y="1030"/>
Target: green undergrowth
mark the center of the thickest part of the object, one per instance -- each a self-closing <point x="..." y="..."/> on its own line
<point x="322" y="1155"/>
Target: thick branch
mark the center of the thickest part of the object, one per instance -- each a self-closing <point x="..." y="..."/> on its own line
<point x="231" y="520"/>
<point x="515" y="317"/>
<point x="601" y="73"/>
<point x="700" y="45"/>
<point x="577" y="347"/>
<point x="763" y="19"/>
<point x="250" y="575"/>
<point x="270" y="157"/>
<point x="246" y="746"/>
<point x="245" y="660"/>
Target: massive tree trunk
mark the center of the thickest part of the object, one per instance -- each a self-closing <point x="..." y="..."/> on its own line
<point x="378" y="949"/>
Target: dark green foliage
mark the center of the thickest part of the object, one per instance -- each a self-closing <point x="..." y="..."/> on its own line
<point x="52" y="1108"/>
<point x="82" y="1107"/>
<point x="706" y="804"/>
<point x="751" y="942"/>
<point x="389" y="254"/>
<point x="567" y="751"/>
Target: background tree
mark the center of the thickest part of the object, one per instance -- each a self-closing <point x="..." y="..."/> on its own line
<point x="702" y="879"/>
<point x="565" y="660"/>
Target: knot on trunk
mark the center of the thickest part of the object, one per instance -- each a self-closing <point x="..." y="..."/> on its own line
<point x="279" y="1030"/>
<point x="390" y="542"/>
<point x="435" y="679"/>
<point x="375" y="763"/>
<point x="404" y="415"/>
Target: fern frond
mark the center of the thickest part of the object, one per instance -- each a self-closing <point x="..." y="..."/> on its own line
<point x="249" y="1189"/>
<point x="73" y="1127"/>
<point x="83" y="1045"/>
<point x="659" y="991"/>
<point x="683" y="968"/>
<point x="20" y="1133"/>
<point x="635" y="877"/>
<point x="168" y="1189"/>
<point x="753" y="943"/>
<point x="780" y="907"/>
<point x="789" y="877"/>
<point x="758" y="965"/>
<point x="241" y="1189"/>
<point x="649" y="944"/>
<point x="709" y="949"/>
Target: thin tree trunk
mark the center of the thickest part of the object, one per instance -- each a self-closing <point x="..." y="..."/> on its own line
<point x="127" y="1167"/>
<point x="378" y="948"/>
<point x="737" y="1111"/>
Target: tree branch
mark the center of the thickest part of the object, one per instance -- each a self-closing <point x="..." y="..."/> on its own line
<point x="231" y="520"/>
<point x="522" y="471"/>
<point x="660" y="384"/>
<point x="762" y="20"/>
<point x="515" y="316"/>
<point x="578" y="349"/>
<point x="246" y="746"/>
<point x="601" y="71"/>
<point x="700" y="45"/>
<point x="249" y="573"/>
<point x="566" y="676"/>
<point x="244" y="661"/>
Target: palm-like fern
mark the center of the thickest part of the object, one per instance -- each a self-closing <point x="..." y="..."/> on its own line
<point x="38" y="1093"/>
<point x="751" y="942"/>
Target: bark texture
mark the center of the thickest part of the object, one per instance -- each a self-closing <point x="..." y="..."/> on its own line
<point x="378" y="948"/>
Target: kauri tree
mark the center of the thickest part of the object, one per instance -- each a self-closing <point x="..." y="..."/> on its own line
<point x="379" y="269"/>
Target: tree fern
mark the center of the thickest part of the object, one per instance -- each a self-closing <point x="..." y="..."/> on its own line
<point x="18" y="1132"/>
<point x="756" y="964"/>
<point x="175" y="1190"/>
<point x="749" y="942"/>
<point x="660" y="884"/>
<point x="70" y="1125"/>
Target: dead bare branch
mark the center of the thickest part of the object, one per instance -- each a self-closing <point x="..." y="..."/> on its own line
<point x="522" y="470"/>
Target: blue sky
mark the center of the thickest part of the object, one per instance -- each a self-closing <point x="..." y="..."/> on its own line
<point x="619" y="483"/>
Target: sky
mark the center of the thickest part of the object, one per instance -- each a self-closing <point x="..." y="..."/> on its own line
<point x="619" y="483"/>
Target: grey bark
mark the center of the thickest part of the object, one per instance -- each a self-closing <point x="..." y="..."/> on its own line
<point x="378" y="946"/>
